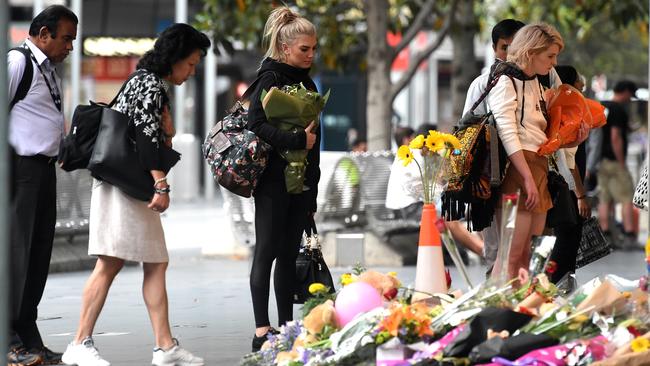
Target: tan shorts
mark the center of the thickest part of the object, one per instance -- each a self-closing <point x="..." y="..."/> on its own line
<point x="513" y="181"/>
<point x="614" y="182"/>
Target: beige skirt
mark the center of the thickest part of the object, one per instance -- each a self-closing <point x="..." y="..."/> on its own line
<point x="123" y="227"/>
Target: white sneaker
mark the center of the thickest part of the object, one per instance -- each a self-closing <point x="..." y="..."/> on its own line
<point x="176" y="356"/>
<point x="83" y="354"/>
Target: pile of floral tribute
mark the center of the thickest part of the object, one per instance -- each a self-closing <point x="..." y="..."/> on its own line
<point x="603" y="322"/>
<point x="373" y="320"/>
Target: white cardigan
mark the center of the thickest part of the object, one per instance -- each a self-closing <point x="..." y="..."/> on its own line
<point x="506" y="104"/>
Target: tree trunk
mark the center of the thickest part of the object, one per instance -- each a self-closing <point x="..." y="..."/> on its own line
<point x="464" y="67"/>
<point x="379" y="107"/>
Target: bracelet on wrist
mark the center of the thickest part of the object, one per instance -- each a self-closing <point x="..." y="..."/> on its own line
<point x="582" y="197"/>
<point x="163" y="179"/>
<point x="163" y="190"/>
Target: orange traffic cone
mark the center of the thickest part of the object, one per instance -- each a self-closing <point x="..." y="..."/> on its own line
<point x="430" y="268"/>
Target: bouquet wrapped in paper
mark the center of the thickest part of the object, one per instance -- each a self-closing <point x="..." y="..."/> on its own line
<point x="292" y="108"/>
<point x="567" y="109"/>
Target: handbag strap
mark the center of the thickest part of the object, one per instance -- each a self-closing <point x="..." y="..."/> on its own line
<point x="492" y="82"/>
<point x="134" y="74"/>
<point x="553" y="163"/>
<point x="311" y="234"/>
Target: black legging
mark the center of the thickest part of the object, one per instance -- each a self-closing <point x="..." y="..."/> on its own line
<point x="280" y="219"/>
<point x="565" y="250"/>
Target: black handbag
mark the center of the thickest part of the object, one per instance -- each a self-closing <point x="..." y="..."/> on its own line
<point x="565" y="209"/>
<point x="593" y="244"/>
<point x="76" y="148"/>
<point x="310" y="266"/>
<point x="115" y="160"/>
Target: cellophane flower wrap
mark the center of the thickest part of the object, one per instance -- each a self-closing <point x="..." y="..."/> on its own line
<point x="430" y="152"/>
<point x="292" y="108"/>
<point x="509" y="203"/>
<point x="542" y="247"/>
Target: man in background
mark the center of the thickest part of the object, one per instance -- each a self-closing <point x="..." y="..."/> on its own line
<point x="615" y="183"/>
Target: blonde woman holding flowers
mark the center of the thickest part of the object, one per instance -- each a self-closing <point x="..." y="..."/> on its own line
<point x="519" y="110"/>
<point x="281" y="217"/>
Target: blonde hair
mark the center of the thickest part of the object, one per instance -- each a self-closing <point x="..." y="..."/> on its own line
<point x="283" y="26"/>
<point x="531" y="40"/>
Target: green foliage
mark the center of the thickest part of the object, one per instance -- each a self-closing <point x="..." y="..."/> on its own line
<point x="358" y="269"/>
<point x="234" y="21"/>
<point x="316" y="299"/>
<point x="600" y="36"/>
<point x="341" y="25"/>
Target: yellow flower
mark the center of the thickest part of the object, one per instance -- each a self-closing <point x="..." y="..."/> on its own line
<point x="317" y="287"/>
<point x="640" y="344"/>
<point x="405" y="154"/>
<point x="574" y="326"/>
<point x="450" y="140"/>
<point x="392" y="274"/>
<point x="347" y="279"/>
<point x="434" y="141"/>
<point x="417" y="142"/>
<point x="580" y="318"/>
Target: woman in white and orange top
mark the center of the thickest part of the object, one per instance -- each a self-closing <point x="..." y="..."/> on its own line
<point x="518" y="107"/>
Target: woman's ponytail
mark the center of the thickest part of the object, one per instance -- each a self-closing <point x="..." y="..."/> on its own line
<point x="283" y="26"/>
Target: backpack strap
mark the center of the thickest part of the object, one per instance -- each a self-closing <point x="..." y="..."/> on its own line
<point x="26" y="81"/>
<point x="257" y="80"/>
<point x="492" y="82"/>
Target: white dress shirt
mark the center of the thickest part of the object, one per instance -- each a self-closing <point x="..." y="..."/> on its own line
<point x="35" y="124"/>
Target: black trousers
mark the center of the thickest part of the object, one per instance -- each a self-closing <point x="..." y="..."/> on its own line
<point x="280" y="220"/>
<point x="33" y="217"/>
<point x="566" y="246"/>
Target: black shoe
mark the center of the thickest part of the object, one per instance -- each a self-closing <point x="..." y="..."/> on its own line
<point x="20" y="357"/>
<point x="630" y="243"/>
<point x="259" y="341"/>
<point x="48" y="356"/>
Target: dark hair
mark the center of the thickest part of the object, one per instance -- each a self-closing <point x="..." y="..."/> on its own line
<point x="401" y="133"/>
<point x="50" y="18"/>
<point x="424" y="128"/>
<point x="625" y="85"/>
<point x="358" y="141"/>
<point x="174" y="44"/>
<point x="567" y="73"/>
<point x="505" y="29"/>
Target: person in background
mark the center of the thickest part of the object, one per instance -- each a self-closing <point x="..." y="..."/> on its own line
<point x="403" y="135"/>
<point x="614" y="180"/>
<point x="401" y="195"/>
<point x="568" y="237"/>
<point x="281" y="217"/>
<point x="123" y="228"/>
<point x="359" y="145"/>
<point x="35" y="131"/>
<point x="502" y="34"/>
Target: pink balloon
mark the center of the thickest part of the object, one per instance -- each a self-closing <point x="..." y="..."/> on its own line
<point x="355" y="298"/>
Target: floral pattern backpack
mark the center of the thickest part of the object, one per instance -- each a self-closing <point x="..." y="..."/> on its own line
<point x="236" y="156"/>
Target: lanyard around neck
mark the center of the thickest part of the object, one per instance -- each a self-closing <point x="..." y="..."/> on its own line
<point x="56" y="97"/>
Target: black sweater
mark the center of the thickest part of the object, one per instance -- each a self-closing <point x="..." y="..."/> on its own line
<point x="273" y="73"/>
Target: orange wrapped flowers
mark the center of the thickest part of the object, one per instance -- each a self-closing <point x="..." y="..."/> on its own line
<point x="567" y="109"/>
